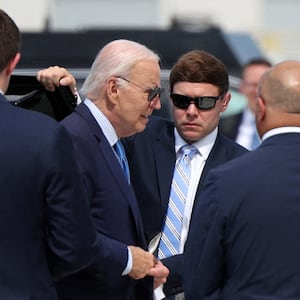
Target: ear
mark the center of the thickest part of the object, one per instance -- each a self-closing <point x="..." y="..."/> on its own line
<point x="260" y="109"/>
<point x="112" y="89"/>
<point x="225" y="101"/>
<point x="12" y="64"/>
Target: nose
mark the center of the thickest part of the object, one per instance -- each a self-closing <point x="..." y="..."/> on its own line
<point x="192" y="109"/>
<point x="155" y="103"/>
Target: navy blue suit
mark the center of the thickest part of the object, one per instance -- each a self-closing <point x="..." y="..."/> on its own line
<point x="229" y="125"/>
<point x="45" y="227"/>
<point x="114" y="210"/>
<point x="151" y="156"/>
<point x="244" y="239"/>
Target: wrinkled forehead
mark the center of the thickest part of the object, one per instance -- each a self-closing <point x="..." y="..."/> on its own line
<point x="146" y="68"/>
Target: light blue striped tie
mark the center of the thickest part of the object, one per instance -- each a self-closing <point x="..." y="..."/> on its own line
<point x="170" y="240"/>
<point x="119" y="149"/>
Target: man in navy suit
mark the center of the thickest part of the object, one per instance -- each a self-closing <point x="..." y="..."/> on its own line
<point x="121" y="90"/>
<point x="46" y="231"/>
<point x="199" y="94"/>
<point x="243" y="242"/>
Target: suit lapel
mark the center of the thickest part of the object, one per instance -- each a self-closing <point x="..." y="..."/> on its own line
<point x="218" y="155"/>
<point x="215" y="158"/>
<point x="113" y="165"/>
<point x="164" y="160"/>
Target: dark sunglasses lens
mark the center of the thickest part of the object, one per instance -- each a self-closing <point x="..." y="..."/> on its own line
<point x="180" y="101"/>
<point x="153" y="93"/>
<point x="207" y="103"/>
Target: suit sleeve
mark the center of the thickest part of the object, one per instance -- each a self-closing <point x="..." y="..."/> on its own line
<point x="174" y="284"/>
<point x="71" y="235"/>
<point x="112" y="254"/>
<point x="203" y="256"/>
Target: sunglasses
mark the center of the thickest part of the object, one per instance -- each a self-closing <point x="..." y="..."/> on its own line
<point x="152" y="92"/>
<point x="201" y="102"/>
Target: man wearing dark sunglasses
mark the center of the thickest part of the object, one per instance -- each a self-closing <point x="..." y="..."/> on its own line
<point x="199" y="94"/>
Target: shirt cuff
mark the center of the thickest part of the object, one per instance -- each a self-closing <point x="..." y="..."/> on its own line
<point x="129" y="263"/>
<point x="158" y="293"/>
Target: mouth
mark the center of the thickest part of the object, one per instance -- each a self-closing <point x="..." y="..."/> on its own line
<point x="190" y="125"/>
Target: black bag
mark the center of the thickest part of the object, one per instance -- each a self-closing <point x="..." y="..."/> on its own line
<point x="27" y="92"/>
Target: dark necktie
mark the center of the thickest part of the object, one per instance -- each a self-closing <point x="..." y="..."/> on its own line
<point x="119" y="149"/>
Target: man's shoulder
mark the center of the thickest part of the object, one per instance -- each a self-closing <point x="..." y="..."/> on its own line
<point x="26" y="119"/>
<point x="80" y="120"/>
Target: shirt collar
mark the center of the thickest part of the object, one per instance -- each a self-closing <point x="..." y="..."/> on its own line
<point x="280" y="130"/>
<point x="203" y="145"/>
<point x="104" y="123"/>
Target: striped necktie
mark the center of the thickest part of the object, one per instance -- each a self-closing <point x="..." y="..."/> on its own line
<point x="119" y="149"/>
<point x="170" y="240"/>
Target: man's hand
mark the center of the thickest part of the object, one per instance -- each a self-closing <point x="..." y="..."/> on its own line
<point x="159" y="273"/>
<point x="53" y="77"/>
<point x="142" y="262"/>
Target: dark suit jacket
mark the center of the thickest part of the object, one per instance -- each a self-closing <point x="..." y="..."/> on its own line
<point x="229" y="126"/>
<point x="114" y="210"/>
<point x="151" y="156"/>
<point x="45" y="227"/>
<point x="244" y="239"/>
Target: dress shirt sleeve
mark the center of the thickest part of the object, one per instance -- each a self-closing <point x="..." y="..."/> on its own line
<point x="128" y="267"/>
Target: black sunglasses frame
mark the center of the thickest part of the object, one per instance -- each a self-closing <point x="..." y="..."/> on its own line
<point x="152" y="92"/>
<point x="201" y="102"/>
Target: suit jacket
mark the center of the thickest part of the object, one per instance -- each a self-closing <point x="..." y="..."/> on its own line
<point x="243" y="242"/>
<point x="151" y="156"/>
<point x="45" y="227"/>
<point x="229" y="125"/>
<point x="114" y="210"/>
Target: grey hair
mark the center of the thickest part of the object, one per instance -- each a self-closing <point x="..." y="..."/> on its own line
<point x="117" y="58"/>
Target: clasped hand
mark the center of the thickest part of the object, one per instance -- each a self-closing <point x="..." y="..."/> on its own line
<point x="145" y="263"/>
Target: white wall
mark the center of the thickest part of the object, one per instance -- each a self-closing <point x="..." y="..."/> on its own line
<point x="29" y="15"/>
<point x="273" y="24"/>
<point x="230" y="14"/>
<point x="236" y="15"/>
<point x="79" y="14"/>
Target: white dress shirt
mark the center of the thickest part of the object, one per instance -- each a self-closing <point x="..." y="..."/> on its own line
<point x="204" y="147"/>
<point x="247" y="129"/>
<point x="111" y="136"/>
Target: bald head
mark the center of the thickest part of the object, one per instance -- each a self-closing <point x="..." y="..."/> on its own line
<point x="278" y="103"/>
<point x="280" y="87"/>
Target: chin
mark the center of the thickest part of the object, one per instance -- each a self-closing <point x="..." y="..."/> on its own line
<point x="191" y="138"/>
<point x="141" y="128"/>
